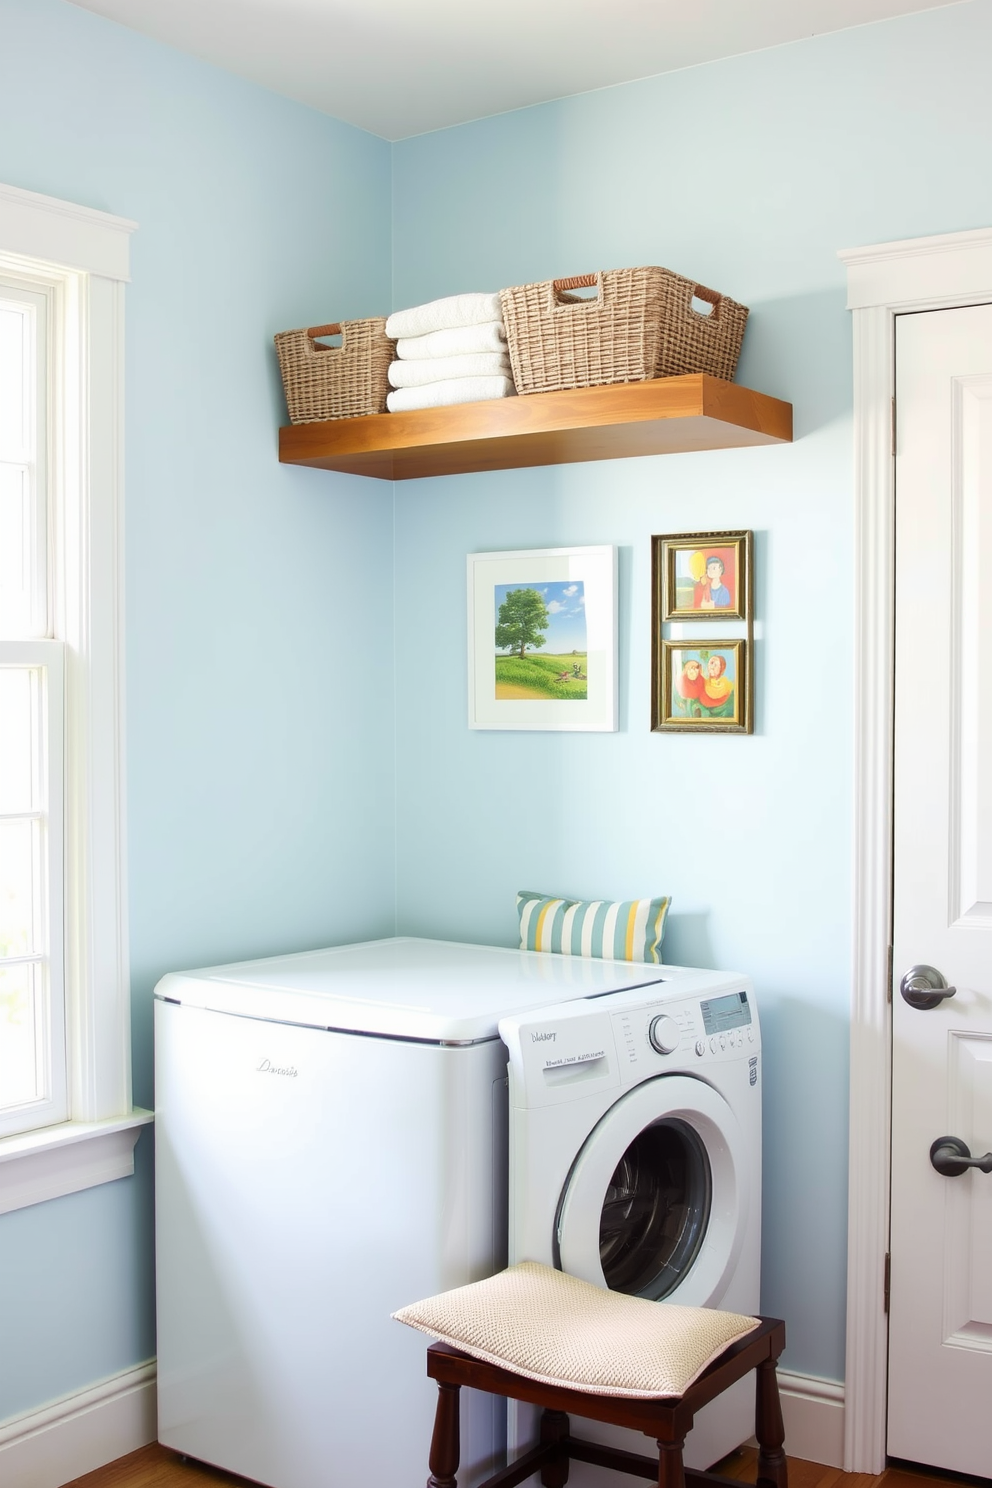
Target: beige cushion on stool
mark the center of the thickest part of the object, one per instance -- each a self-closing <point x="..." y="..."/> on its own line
<point x="550" y="1327"/>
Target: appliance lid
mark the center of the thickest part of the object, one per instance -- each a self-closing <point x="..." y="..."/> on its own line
<point x="404" y="987"/>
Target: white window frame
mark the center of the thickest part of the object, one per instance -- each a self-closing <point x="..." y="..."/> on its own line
<point x="83" y="255"/>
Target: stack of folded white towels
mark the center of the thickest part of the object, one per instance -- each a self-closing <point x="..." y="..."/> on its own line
<point x="450" y="351"/>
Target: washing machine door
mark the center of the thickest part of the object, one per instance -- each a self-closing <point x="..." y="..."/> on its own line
<point x="656" y="1203"/>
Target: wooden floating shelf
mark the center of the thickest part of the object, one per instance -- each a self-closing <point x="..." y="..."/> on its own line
<point x="664" y="416"/>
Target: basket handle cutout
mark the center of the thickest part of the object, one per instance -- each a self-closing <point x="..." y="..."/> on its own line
<point x="561" y="290"/>
<point x="702" y="296"/>
<point x="324" y="331"/>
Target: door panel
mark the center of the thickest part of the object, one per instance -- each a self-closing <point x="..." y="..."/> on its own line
<point x="967" y="1279"/>
<point x="971" y="856"/>
<point x="940" y="1369"/>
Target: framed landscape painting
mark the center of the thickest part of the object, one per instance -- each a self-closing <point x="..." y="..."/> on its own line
<point x="704" y="688"/>
<point x="542" y="639"/>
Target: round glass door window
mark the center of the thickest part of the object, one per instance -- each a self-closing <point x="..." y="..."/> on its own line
<point x="656" y="1202"/>
<point x="656" y="1210"/>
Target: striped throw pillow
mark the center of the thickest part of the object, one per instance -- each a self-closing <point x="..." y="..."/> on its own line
<point x="629" y="930"/>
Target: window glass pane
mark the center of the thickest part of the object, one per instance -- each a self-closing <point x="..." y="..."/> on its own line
<point x="20" y="739"/>
<point x="16" y="338"/>
<point x="23" y="1051"/>
<point x="21" y="918"/>
<point x="17" y="563"/>
<point x="32" y="1053"/>
<point x="23" y="461"/>
<point x="32" y="1041"/>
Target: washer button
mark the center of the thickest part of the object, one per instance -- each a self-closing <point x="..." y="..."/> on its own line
<point x="700" y="1047"/>
<point x="723" y="1041"/>
<point x="713" y="1045"/>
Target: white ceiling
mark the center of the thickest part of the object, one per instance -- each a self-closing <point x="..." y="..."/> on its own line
<point x="402" y="67"/>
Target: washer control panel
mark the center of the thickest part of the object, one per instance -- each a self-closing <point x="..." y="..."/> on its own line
<point x="685" y="1021"/>
<point x="697" y="1030"/>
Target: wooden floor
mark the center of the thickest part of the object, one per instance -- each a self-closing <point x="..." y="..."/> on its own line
<point x="157" y="1467"/>
<point x="742" y="1465"/>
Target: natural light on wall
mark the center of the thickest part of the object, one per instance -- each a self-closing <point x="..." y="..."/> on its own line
<point x="32" y="1009"/>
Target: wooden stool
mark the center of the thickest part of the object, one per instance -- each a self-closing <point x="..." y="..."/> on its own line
<point x="668" y="1421"/>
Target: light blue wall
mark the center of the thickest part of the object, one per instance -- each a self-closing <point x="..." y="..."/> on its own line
<point x="259" y="628"/>
<point x="259" y="611"/>
<point x="748" y="174"/>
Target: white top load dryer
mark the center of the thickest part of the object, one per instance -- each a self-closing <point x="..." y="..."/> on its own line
<point x="331" y="1145"/>
<point x="635" y="1160"/>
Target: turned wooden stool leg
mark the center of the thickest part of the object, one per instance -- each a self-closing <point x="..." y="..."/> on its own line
<point x="773" y="1467"/>
<point x="445" y="1443"/>
<point x="670" y="1470"/>
<point x="554" y="1428"/>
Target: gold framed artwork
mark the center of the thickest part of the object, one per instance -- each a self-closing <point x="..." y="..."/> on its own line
<point x="702" y="675"/>
<point x="703" y="575"/>
<point x="704" y="688"/>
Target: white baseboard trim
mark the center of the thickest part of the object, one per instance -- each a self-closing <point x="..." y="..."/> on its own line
<point x="51" y="1446"/>
<point x="813" y="1410"/>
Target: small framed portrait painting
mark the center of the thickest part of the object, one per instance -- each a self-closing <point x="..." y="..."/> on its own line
<point x="702" y="575"/>
<point x="704" y="687"/>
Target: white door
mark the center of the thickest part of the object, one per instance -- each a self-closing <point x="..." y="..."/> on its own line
<point x="940" y="1338"/>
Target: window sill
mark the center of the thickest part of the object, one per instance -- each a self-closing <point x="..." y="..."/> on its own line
<point x="64" y="1159"/>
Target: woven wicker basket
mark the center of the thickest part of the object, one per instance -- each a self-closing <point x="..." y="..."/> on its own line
<point x="640" y="325"/>
<point x="326" y="382"/>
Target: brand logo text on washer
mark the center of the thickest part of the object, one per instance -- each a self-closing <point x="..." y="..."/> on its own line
<point x="543" y="1038"/>
<point x="268" y="1068"/>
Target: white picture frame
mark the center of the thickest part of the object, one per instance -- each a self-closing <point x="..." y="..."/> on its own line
<point x="575" y="613"/>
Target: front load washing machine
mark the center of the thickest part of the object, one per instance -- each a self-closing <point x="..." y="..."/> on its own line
<point x="635" y="1159"/>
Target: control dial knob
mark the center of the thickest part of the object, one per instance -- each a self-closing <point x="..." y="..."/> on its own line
<point x="664" y="1034"/>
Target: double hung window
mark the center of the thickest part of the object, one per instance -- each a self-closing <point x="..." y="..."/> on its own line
<point x="66" y="1120"/>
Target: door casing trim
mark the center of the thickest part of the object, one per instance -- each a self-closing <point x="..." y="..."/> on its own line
<point x="884" y="280"/>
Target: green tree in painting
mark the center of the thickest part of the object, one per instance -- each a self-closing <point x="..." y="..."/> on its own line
<point x="522" y="616"/>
